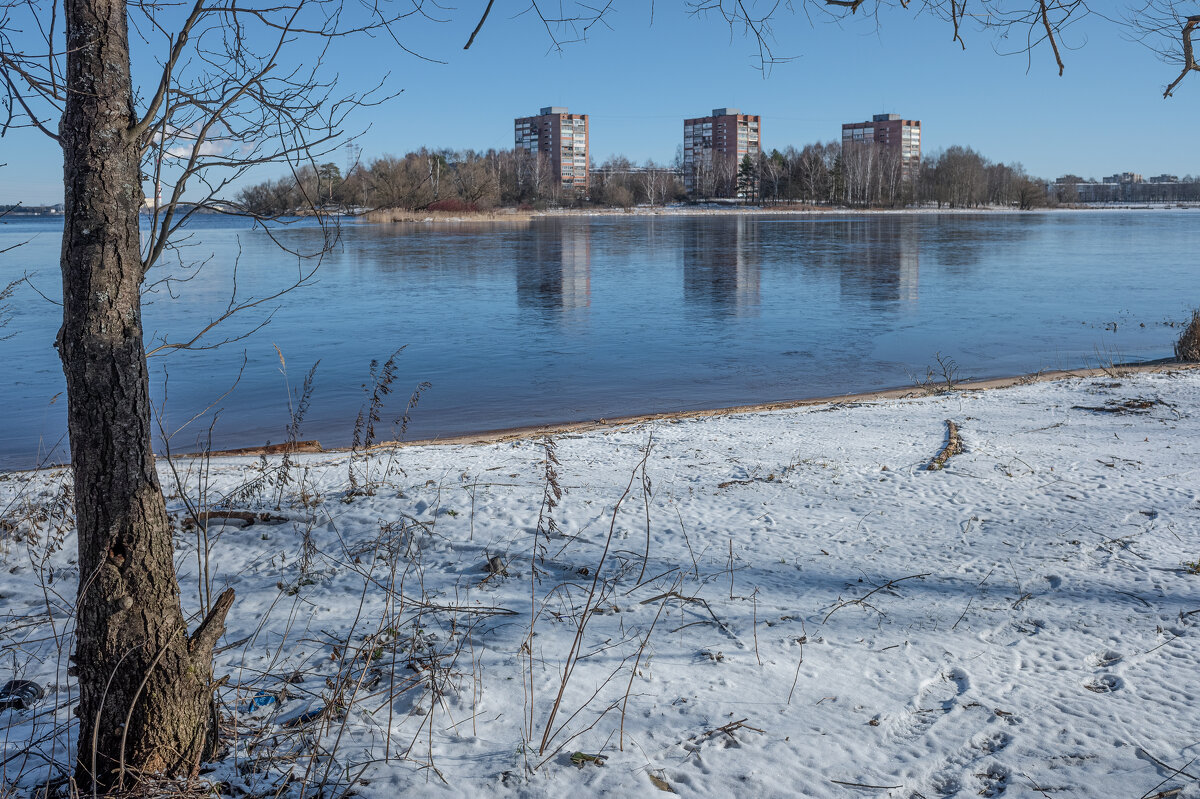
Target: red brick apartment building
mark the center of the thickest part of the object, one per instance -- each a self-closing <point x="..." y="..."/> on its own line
<point x="899" y="135"/>
<point x="562" y="136"/>
<point x="714" y="146"/>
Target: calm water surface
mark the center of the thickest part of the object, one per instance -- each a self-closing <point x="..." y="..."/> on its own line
<point x="567" y="319"/>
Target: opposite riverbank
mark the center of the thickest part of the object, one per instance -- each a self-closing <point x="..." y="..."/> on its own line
<point x="392" y="215"/>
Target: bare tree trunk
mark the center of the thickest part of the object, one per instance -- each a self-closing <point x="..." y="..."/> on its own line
<point x="144" y="687"/>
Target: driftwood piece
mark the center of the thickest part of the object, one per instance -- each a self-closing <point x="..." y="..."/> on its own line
<point x="288" y="447"/>
<point x="249" y="517"/>
<point x="953" y="447"/>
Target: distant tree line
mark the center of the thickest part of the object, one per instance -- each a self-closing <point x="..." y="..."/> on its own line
<point x="620" y="183"/>
<point x="867" y="175"/>
<point x="448" y="180"/>
<point x="872" y="175"/>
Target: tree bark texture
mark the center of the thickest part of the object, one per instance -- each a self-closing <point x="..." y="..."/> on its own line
<point x="144" y="686"/>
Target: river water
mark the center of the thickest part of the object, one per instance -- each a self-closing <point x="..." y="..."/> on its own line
<point x="561" y="319"/>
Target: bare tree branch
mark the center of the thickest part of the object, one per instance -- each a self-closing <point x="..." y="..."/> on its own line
<point x="479" y="27"/>
<point x="1189" y="58"/>
<point x="235" y="307"/>
<point x="1045" y="15"/>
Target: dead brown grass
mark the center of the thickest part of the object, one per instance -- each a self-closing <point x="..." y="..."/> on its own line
<point x="1187" y="348"/>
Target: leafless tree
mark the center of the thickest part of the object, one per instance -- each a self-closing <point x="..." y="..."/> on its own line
<point x="703" y="176"/>
<point x="724" y="175"/>
<point x="1031" y="193"/>
<point x="812" y="171"/>
<point x="403" y="182"/>
<point x="534" y="175"/>
<point x="236" y="86"/>
<point x="859" y="162"/>
<point x="773" y="169"/>
<point x="872" y="174"/>
<point x="475" y="183"/>
<point x="659" y="184"/>
<point x="960" y="177"/>
<point x="1167" y="27"/>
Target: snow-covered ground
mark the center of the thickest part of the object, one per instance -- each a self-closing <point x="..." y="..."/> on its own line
<point x="785" y="603"/>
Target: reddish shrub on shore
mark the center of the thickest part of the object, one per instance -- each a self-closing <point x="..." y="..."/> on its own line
<point x="452" y="205"/>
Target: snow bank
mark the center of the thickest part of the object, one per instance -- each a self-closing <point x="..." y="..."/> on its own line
<point x="785" y="603"/>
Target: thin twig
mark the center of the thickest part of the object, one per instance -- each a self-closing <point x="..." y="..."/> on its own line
<point x="863" y="598"/>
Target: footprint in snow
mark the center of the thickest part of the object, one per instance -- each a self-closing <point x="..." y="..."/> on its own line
<point x="993" y="780"/>
<point x="1103" y="684"/>
<point x="1104" y="658"/>
<point x="990" y="742"/>
<point x="944" y="785"/>
<point x="934" y="699"/>
<point x="1029" y="626"/>
<point x="1011" y="633"/>
<point x="965" y="763"/>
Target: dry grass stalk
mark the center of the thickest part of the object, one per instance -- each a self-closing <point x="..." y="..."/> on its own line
<point x="589" y="604"/>
<point x="369" y="416"/>
<point x="5" y="309"/>
<point x="638" y="660"/>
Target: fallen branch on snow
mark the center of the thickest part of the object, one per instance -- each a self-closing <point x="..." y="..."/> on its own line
<point x="953" y="447"/>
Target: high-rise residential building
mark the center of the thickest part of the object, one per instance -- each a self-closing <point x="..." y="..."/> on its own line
<point x="713" y="149"/>
<point x="563" y="138"/>
<point x="902" y="136"/>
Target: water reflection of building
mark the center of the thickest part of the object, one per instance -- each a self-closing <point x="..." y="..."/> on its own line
<point x="721" y="265"/>
<point x="554" y="268"/>
<point x="881" y="260"/>
<point x="909" y="258"/>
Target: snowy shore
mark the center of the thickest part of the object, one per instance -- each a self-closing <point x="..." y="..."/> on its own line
<point x="785" y="603"/>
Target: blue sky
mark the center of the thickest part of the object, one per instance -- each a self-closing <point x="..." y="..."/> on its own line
<point x="641" y="76"/>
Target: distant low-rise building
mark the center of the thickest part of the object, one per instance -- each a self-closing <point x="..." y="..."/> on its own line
<point x="1124" y="187"/>
<point x="902" y="136"/>
<point x="31" y="210"/>
<point x="563" y="138"/>
<point x="713" y="150"/>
